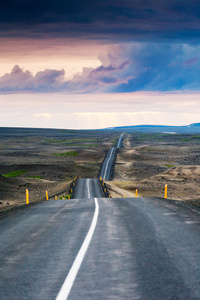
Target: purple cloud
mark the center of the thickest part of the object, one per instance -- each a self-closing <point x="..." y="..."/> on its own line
<point x="23" y="81"/>
<point x="191" y="61"/>
<point x="126" y="68"/>
<point x="53" y="80"/>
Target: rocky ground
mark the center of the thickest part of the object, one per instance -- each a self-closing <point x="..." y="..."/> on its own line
<point x="149" y="161"/>
<point x="43" y="157"/>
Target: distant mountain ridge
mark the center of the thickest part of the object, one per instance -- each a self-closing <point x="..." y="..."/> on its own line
<point x="192" y="128"/>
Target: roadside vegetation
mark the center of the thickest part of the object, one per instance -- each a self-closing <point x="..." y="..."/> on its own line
<point x="14" y="173"/>
<point x="69" y="153"/>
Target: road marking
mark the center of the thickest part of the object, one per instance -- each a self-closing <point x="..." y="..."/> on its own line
<point x="169" y="213"/>
<point x="88" y="188"/>
<point x="191" y="222"/>
<point x="68" y="283"/>
<point x="106" y="168"/>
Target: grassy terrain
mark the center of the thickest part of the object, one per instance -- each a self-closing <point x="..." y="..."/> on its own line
<point x="14" y="173"/>
<point x="69" y="153"/>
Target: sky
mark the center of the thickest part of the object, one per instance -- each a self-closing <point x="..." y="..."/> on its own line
<point x="95" y="64"/>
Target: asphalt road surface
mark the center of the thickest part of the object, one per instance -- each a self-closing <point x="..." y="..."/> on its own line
<point x="107" y="164"/>
<point x="88" y="188"/>
<point x="119" y="142"/>
<point x="128" y="248"/>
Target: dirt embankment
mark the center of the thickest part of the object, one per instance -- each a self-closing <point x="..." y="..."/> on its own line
<point x="157" y="160"/>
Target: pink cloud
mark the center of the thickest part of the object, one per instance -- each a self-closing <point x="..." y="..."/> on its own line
<point x="89" y="80"/>
<point x="19" y="80"/>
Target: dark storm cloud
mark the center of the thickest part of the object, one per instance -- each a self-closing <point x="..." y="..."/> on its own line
<point x="115" y="19"/>
<point x="162" y="67"/>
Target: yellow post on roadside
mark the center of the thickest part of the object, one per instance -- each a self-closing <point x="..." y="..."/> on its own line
<point x="165" y="191"/>
<point x="105" y="190"/>
<point x="124" y="196"/>
<point x="100" y="178"/>
<point x="47" y="196"/>
<point x="136" y="193"/>
<point x="27" y="197"/>
<point x="56" y="198"/>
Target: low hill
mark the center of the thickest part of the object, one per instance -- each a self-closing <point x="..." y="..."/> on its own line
<point x="192" y="128"/>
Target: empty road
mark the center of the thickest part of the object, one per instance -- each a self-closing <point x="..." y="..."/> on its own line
<point x="119" y="142"/>
<point x="131" y="248"/>
<point x="88" y="188"/>
<point x="92" y="247"/>
<point x="108" y="162"/>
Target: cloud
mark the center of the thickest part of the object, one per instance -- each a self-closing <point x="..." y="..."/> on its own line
<point x="108" y="19"/>
<point x="191" y="61"/>
<point x="89" y="80"/>
<point x="124" y="68"/>
<point x="161" y="67"/>
<point x="23" y="81"/>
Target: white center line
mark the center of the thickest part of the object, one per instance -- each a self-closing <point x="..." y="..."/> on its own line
<point x="169" y="213"/>
<point x="88" y="188"/>
<point x="68" y="283"/>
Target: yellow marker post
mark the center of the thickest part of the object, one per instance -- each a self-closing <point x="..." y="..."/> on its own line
<point x="109" y="196"/>
<point x="27" y="197"/>
<point x="100" y="178"/>
<point x="136" y="193"/>
<point x="73" y="184"/>
<point x="56" y="198"/>
<point x="124" y="196"/>
<point x="68" y="196"/>
<point x="105" y="190"/>
<point x="47" y="196"/>
<point x="165" y="191"/>
<point x="71" y="191"/>
<point x="102" y="183"/>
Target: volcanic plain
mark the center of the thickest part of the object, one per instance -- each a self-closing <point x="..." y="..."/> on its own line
<point x="49" y="159"/>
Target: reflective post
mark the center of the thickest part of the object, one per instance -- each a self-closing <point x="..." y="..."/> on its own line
<point x="27" y="197"/>
<point x="165" y="191"/>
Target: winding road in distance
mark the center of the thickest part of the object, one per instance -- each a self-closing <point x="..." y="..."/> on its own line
<point x="108" y="162"/>
<point x="94" y="247"/>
